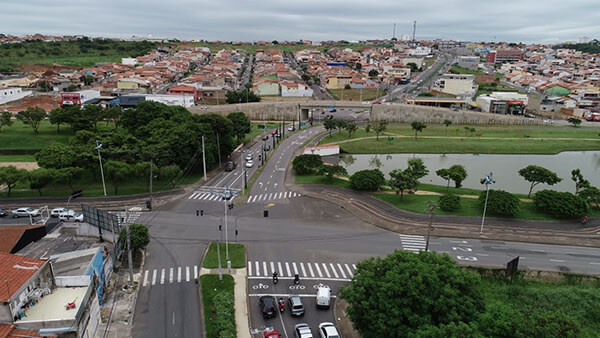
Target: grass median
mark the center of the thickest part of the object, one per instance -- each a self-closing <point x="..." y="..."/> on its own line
<point x="218" y="314"/>
<point x="237" y="254"/>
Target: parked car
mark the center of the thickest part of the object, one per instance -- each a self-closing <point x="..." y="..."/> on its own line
<point x="291" y="128"/>
<point x="57" y="211"/>
<point x="249" y="157"/>
<point x="3" y="212"/>
<point x="68" y="217"/>
<point x="323" y="297"/>
<point x="296" y="306"/>
<point x="268" y="306"/>
<point x="271" y="333"/>
<point x="328" y="330"/>
<point x="249" y="164"/>
<point x="230" y="166"/>
<point x="25" y="212"/>
<point x="302" y="330"/>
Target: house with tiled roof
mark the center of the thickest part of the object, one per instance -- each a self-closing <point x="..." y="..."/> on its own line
<point x="11" y="331"/>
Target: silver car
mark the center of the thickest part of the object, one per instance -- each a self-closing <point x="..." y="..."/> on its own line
<point x="57" y="211"/>
<point x="25" y="212"/>
<point x="302" y="330"/>
<point x="296" y="306"/>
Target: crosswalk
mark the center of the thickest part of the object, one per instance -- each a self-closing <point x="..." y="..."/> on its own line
<point x="205" y="196"/>
<point x="412" y="243"/>
<point x="179" y="274"/>
<point x="128" y="217"/>
<point x="272" y="196"/>
<point x="328" y="271"/>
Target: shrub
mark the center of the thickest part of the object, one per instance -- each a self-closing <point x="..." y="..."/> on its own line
<point x="500" y="203"/>
<point x="367" y="180"/>
<point x="305" y="164"/>
<point x="225" y="318"/>
<point x="449" y="202"/>
<point x="560" y="204"/>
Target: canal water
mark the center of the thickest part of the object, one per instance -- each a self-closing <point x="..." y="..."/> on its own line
<point x="503" y="167"/>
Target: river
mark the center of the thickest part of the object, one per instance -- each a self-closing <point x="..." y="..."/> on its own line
<point x="504" y="167"/>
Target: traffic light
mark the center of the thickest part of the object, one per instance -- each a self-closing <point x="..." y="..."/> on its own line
<point x="220" y="227"/>
<point x="266" y="213"/>
<point x="201" y="212"/>
<point x="197" y="212"/>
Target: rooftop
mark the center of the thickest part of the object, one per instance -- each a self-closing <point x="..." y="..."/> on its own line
<point x="15" y="270"/>
<point x="53" y="306"/>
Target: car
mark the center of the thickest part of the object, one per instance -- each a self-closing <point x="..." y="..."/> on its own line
<point x="333" y="110"/>
<point x="268" y="306"/>
<point x="57" y="211"/>
<point x="25" y="212"/>
<point x="271" y="333"/>
<point x="296" y="306"/>
<point x="291" y="128"/>
<point x="249" y="164"/>
<point x="274" y="132"/>
<point x="366" y="102"/>
<point x="249" y="157"/>
<point x="328" y="330"/>
<point x="71" y="217"/>
<point x="302" y="330"/>
<point x="3" y="213"/>
<point x="266" y="137"/>
<point x="229" y="166"/>
<point x="323" y="297"/>
<point x="376" y="102"/>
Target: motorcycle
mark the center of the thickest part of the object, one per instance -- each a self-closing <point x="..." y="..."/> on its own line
<point x="281" y="305"/>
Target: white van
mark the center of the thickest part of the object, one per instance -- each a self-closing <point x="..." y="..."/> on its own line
<point x="323" y="297"/>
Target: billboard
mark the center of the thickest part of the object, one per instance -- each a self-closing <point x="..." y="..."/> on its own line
<point x="101" y="219"/>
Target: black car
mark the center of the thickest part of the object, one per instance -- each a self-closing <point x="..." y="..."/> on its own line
<point x="229" y="166"/>
<point x="268" y="306"/>
<point x="3" y="213"/>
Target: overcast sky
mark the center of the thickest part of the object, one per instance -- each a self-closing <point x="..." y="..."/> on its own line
<point x="528" y="21"/>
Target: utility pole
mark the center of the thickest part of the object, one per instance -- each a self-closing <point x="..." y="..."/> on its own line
<point x="487" y="180"/>
<point x="414" y="30"/>
<point x="150" y="183"/>
<point x="430" y="208"/>
<point x="129" y="252"/>
<point x="219" y="152"/>
<point x="394" y="34"/>
<point x="203" y="159"/>
<point x="226" y="241"/>
<point x="219" y="258"/>
<point x="98" y="146"/>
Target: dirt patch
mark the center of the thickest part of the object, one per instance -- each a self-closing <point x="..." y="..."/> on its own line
<point x="21" y="165"/>
<point x="46" y="102"/>
<point x="30" y="67"/>
<point x="342" y="321"/>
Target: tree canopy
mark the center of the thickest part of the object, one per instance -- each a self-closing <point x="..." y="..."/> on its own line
<point x="417" y="126"/>
<point x="241" y="125"/>
<point x="32" y="116"/>
<point x="536" y="175"/>
<point x="306" y="164"/>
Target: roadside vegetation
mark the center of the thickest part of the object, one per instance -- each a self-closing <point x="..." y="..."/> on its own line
<point x="368" y="94"/>
<point x="237" y="255"/>
<point x="218" y="303"/>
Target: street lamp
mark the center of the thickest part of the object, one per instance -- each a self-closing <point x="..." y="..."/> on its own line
<point x="430" y="208"/>
<point x="487" y="180"/>
<point x="98" y="146"/>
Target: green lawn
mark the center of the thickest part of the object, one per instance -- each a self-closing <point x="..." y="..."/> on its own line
<point x="211" y="286"/>
<point x="317" y="179"/>
<point x="254" y="131"/>
<point x="21" y="137"/>
<point x="460" y="70"/>
<point x="17" y="158"/>
<point x="429" y="61"/>
<point x="488" y="88"/>
<point x="368" y="94"/>
<point x="237" y="254"/>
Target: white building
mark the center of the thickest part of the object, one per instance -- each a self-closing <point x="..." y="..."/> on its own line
<point x="12" y="94"/>
<point x="129" y="61"/>
<point x="511" y="103"/>
<point x="172" y="100"/>
<point x="456" y="84"/>
<point x="420" y="51"/>
<point x="295" y="89"/>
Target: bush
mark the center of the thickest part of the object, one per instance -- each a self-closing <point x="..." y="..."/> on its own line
<point x="139" y="236"/>
<point x="305" y="164"/>
<point x="449" y="202"/>
<point x="225" y="321"/>
<point x="500" y="203"/>
<point x="560" y="204"/>
<point x="367" y="180"/>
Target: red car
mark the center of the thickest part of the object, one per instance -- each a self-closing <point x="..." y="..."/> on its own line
<point x="272" y="334"/>
<point x="274" y="132"/>
<point x="376" y="102"/>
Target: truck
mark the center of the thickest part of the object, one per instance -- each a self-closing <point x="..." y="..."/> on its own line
<point x="594" y="117"/>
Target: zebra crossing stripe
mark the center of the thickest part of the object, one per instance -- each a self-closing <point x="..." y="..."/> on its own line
<point x="287" y="268"/>
<point x="279" y="267"/>
<point x="162" y="276"/>
<point x="270" y="196"/>
<point x="145" y="278"/>
<point x="326" y="271"/>
<point x="265" y="269"/>
<point x="310" y="269"/>
<point x="178" y="274"/>
<point x="342" y="270"/>
<point x="285" y="194"/>
<point x="195" y="271"/>
<point x="349" y="271"/>
<point x="295" y="268"/>
<point x="154" y="277"/>
<point x="318" y="269"/>
<point x="171" y="275"/>
<point x="187" y="273"/>
<point x="257" y="269"/>
<point x="334" y="271"/>
<point x="303" y="270"/>
<point x="249" y="268"/>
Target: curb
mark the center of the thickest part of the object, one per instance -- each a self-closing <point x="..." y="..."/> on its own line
<point x="137" y="292"/>
<point x="202" y="322"/>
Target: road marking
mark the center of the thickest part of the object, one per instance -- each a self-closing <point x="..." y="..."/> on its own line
<point x="270" y="196"/>
<point x="162" y="277"/>
<point x="249" y="268"/>
<point x="272" y="267"/>
<point x="178" y="274"/>
<point x="326" y="270"/>
<point x="280" y="268"/>
<point x="257" y="269"/>
<point x="349" y="271"/>
<point x="265" y="268"/>
<point x="341" y="270"/>
<point x="303" y="270"/>
<point x="310" y="269"/>
<point x="195" y="271"/>
<point x="295" y="268"/>
<point x="334" y="271"/>
<point x="285" y="194"/>
<point x="484" y="255"/>
<point x="557" y="260"/>
<point x="187" y="273"/>
<point x="154" y="277"/>
<point x="145" y="278"/>
<point x="354" y="266"/>
<point x="171" y="275"/>
<point x="287" y="268"/>
<point x="595" y="263"/>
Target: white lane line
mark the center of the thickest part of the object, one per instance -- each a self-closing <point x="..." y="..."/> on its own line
<point x="192" y="196"/>
<point x="280" y="268"/>
<point x="270" y="196"/>
<point x="249" y="268"/>
<point x="326" y="271"/>
<point x="265" y="268"/>
<point x="162" y="276"/>
<point x="205" y="196"/>
<point x="195" y="271"/>
<point x="303" y="269"/>
<point x="310" y="269"/>
<point x="334" y="270"/>
<point x="154" y="277"/>
<point x="187" y="273"/>
<point x="170" y="275"/>
<point x="255" y="197"/>
<point x="349" y="271"/>
<point x="342" y="270"/>
<point x="257" y="268"/>
<point x="295" y="268"/>
<point x="295" y="194"/>
<point x="272" y="267"/>
<point x="179" y="274"/>
<point x="145" y="278"/>
<point x="287" y="268"/>
<point x="557" y="260"/>
<point x="285" y="194"/>
<point x="595" y="263"/>
<point x="354" y="266"/>
<point x="483" y="255"/>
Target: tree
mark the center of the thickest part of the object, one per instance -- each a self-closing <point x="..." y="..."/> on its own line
<point x="339" y="124"/>
<point x="169" y="172"/>
<point x="118" y="172"/>
<point x="93" y="113"/>
<point x="44" y="86"/>
<point x="59" y="116"/>
<point x="417" y="126"/>
<point x="536" y="175"/>
<point x="5" y="119"/>
<point x="373" y="73"/>
<point x="413" y="66"/>
<point x="68" y="175"/>
<point x="88" y="80"/>
<point x="32" y="116"/>
<point x="380" y="128"/>
<point x="57" y="156"/>
<point x="10" y="176"/>
<point x="591" y="195"/>
<point x="368" y="128"/>
<point x="358" y="66"/>
<point x="417" y="168"/>
<point x="406" y="294"/>
<point x="140" y="238"/>
<point x="580" y="182"/>
<point x="500" y="202"/>
<point x="244" y="95"/>
<point x="40" y="178"/>
<point x="305" y="164"/>
<point x="575" y="122"/>
<point x="329" y="124"/>
<point x="401" y="180"/>
<point x="351" y="127"/>
<point x="458" y="174"/>
<point x="560" y="204"/>
<point x="112" y="114"/>
<point x="445" y="174"/>
<point x="347" y="86"/>
<point x="447" y="123"/>
<point x="331" y="170"/>
<point x="241" y="125"/>
<point x="449" y="202"/>
<point x="367" y="180"/>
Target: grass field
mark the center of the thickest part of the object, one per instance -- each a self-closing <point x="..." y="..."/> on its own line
<point x="21" y="137"/>
<point x="368" y="94"/>
<point x="17" y="158"/>
<point x="486" y="88"/>
<point x="211" y="286"/>
<point x="429" y="61"/>
<point x="237" y="254"/>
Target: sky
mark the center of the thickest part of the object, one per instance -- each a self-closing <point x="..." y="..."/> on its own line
<point x="529" y="21"/>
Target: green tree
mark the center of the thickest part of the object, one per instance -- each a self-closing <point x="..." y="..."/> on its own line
<point x="10" y="176"/>
<point x="305" y="164"/>
<point x="118" y="172"/>
<point x="57" y="156"/>
<point x="591" y="195"/>
<point x="351" y="127"/>
<point x="575" y="122"/>
<point x="536" y="175"/>
<point x="447" y="123"/>
<point x="373" y="73"/>
<point x="40" y="178"/>
<point x="5" y="119"/>
<point x="347" y="86"/>
<point x="417" y="126"/>
<point x="560" y="204"/>
<point x="380" y="127"/>
<point x="417" y="167"/>
<point x="368" y="128"/>
<point x="93" y="113"/>
<point x="241" y="125"/>
<point x="112" y="114"/>
<point x="331" y="170"/>
<point x="456" y="173"/>
<point x="358" y="66"/>
<point x="406" y="294"/>
<point x="169" y="172"/>
<point x="401" y="180"/>
<point x="500" y="203"/>
<point x="339" y="124"/>
<point x="367" y="180"/>
<point x="449" y="202"/>
<point x="140" y="238"/>
<point x="445" y="174"/>
<point x="329" y="124"/>
<point x="413" y="66"/>
<point x="32" y="116"/>
<point x="68" y="175"/>
<point x="44" y="86"/>
<point x="59" y="116"/>
<point x="88" y="80"/>
<point x="244" y="95"/>
<point x="580" y="182"/>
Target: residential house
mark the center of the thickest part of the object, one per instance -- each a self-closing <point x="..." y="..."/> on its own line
<point x="266" y="87"/>
<point x="456" y="84"/>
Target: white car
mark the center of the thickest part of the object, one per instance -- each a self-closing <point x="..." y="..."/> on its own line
<point x="291" y="128"/>
<point x="328" y="330"/>
<point x="71" y="217"/>
<point x="302" y="330"/>
<point x="249" y="157"/>
<point x="249" y="164"/>
<point x="25" y="212"/>
<point x="57" y="211"/>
